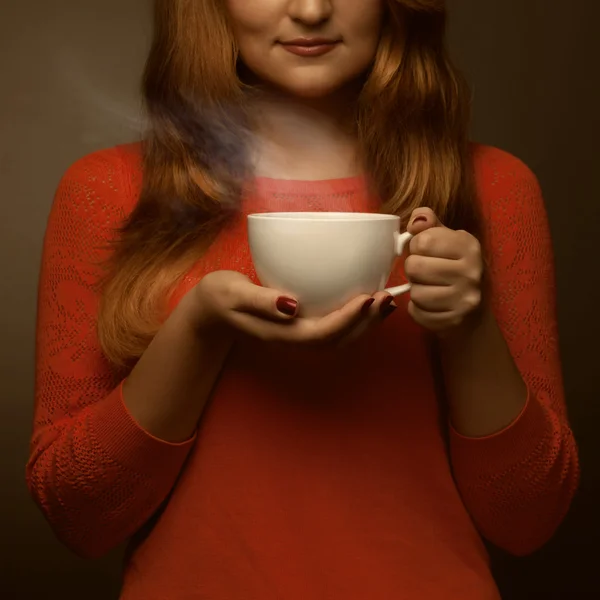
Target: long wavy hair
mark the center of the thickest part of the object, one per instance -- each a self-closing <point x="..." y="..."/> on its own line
<point x="412" y="119"/>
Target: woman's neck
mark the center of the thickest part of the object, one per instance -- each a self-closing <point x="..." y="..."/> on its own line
<point x="304" y="139"/>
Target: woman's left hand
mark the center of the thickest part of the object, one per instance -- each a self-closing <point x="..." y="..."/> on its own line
<point x="445" y="268"/>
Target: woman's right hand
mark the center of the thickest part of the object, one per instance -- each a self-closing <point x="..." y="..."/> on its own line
<point x="227" y="300"/>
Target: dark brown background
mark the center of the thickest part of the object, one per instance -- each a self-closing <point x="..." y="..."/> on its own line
<point x="70" y="71"/>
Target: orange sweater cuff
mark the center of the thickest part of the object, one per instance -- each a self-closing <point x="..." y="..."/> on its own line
<point x="129" y="444"/>
<point x="509" y="447"/>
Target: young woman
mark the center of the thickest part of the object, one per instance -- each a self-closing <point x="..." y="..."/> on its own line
<point x="246" y="452"/>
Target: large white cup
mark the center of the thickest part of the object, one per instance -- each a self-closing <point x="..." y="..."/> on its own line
<point x="325" y="259"/>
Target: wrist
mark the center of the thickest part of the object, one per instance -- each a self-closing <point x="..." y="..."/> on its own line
<point x="469" y="327"/>
<point x="200" y="318"/>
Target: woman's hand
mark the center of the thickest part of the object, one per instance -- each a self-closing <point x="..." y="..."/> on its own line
<point x="445" y="268"/>
<point x="228" y="301"/>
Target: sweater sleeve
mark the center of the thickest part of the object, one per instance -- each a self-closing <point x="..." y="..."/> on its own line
<point x="94" y="473"/>
<point x="518" y="484"/>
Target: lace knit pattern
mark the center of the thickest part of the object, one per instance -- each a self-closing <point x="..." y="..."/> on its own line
<point x="512" y="479"/>
<point x="91" y="487"/>
<point x="98" y="477"/>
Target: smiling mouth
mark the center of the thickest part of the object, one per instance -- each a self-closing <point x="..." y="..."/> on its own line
<point x="310" y="46"/>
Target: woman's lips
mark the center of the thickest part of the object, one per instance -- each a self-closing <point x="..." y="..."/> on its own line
<point x="316" y="47"/>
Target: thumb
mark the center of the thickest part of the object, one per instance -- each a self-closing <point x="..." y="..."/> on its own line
<point x="421" y="219"/>
<point x="264" y="302"/>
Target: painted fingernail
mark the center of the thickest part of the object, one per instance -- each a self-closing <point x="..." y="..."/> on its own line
<point x="287" y="306"/>
<point x="420" y="219"/>
<point x="367" y="305"/>
<point x="388" y="311"/>
<point x="385" y="304"/>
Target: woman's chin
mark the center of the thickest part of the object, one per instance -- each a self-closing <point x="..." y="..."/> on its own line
<point x="310" y="90"/>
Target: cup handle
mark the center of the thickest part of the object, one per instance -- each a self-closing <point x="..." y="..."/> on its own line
<point x="401" y="240"/>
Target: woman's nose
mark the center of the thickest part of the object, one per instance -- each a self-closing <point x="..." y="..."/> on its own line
<point x="311" y="12"/>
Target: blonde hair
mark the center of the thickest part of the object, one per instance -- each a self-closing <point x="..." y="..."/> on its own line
<point x="412" y="116"/>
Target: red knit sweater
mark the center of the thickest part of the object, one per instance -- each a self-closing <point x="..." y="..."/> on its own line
<point x="314" y="474"/>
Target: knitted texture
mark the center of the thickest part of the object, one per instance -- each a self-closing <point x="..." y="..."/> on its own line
<point x="314" y="474"/>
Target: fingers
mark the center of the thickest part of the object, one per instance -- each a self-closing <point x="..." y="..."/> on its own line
<point x="422" y="219"/>
<point x="432" y="271"/>
<point x="432" y="298"/>
<point x="383" y="307"/>
<point x="339" y="323"/>
<point x="438" y="299"/>
<point x="262" y="302"/>
<point x="439" y="242"/>
<point x="330" y="328"/>
<point x="433" y="321"/>
<point x="271" y="316"/>
<point x="267" y="330"/>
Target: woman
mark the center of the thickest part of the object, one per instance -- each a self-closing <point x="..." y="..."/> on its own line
<point x="252" y="453"/>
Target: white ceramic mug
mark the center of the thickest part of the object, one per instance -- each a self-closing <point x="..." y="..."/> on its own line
<point x="325" y="259"/>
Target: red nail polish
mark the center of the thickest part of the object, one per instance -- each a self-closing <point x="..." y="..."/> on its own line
<point x="287" y="306"/>
<point x="385" y="305"/>
<point x="388" y="311"/>
<point x="367" y="305"/>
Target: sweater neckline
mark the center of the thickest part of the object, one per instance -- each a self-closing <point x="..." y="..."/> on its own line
<point x="308" y="186"/>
